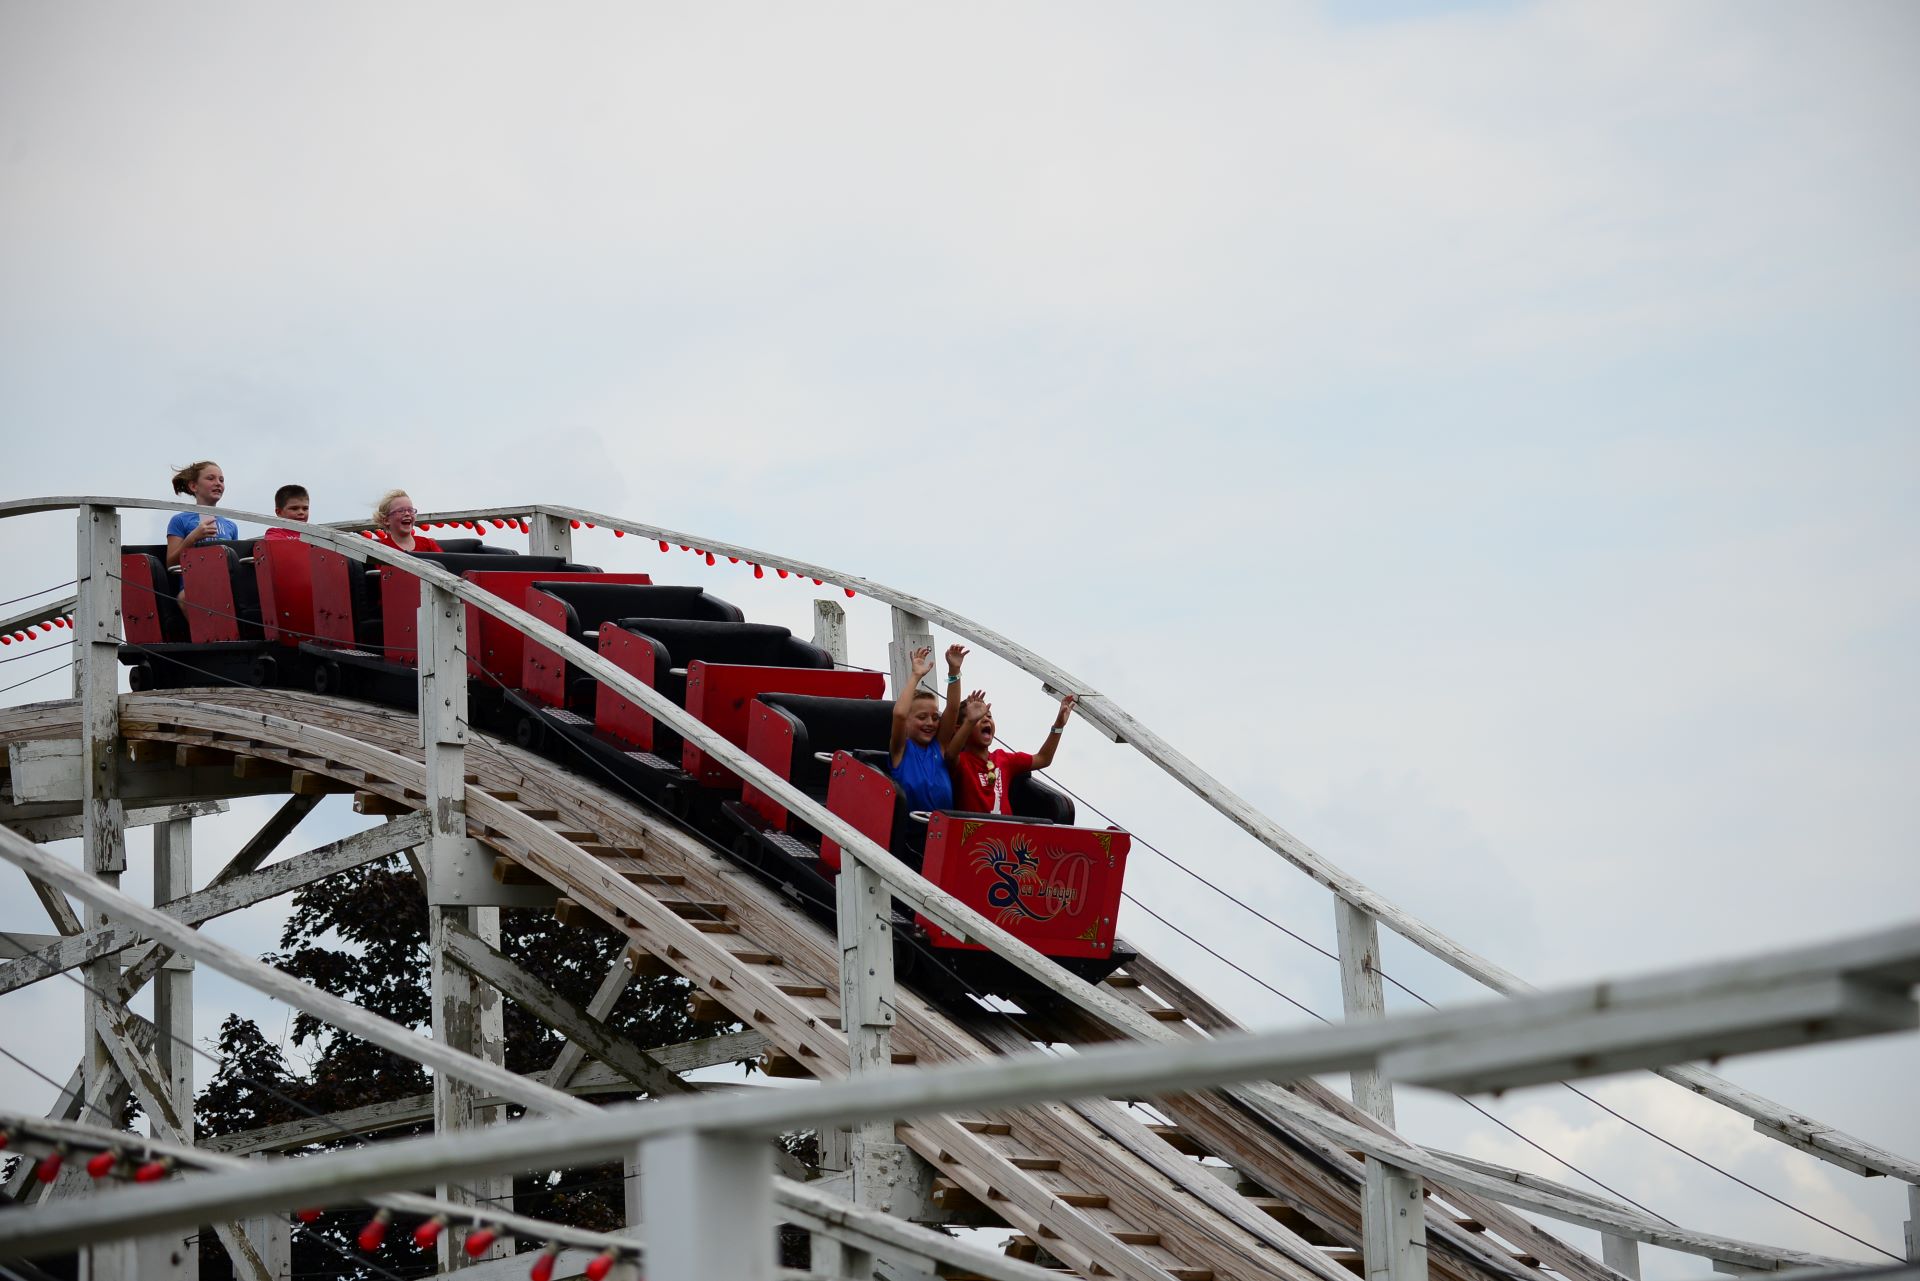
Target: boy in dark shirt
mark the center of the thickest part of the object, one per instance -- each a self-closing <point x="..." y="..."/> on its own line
<point x="921" y="730"/>
<point x="982" y="774"/>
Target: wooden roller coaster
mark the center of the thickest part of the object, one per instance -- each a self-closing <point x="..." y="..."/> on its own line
<point x="1234" y="1178"/>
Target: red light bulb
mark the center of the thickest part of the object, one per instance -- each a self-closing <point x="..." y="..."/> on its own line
<point x="49" y="1168"/>
<point x="574" y="523"/>
<point x="152" y="1171"/>
<point x="478" y="1240"/>
<point x="818" y="583"/>
<point x="709" y="558"/>
<point x="427" y="1233"/>
<point x="781" y="572"/>
<point x="307" y="1216"/>
<point x="543" y="1266"/>
<point x="619" y="533"/>
<point x="101" y="1164"/>
<point x="759" y="572"/>
<point x="663" y="544"/>
<point x="849" y="592"/>
<point x="498" y="523"/>
<point x="6" y="1140"/>
<point x="600" y="1265"/>
<point x="375" y="1231"/>
<point x="733" y="560"/>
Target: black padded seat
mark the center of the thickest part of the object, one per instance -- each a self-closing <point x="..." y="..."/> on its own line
<point x="588" y="605"/>
<point x="473" y="546"/>
<point x="831" y="725"/>
<point x="466" y="562"/>
<point x="680" y="641"/>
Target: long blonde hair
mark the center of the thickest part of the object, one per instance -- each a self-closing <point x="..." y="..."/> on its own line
<point x="187" y="477"/>
<point x="386" y="501"/>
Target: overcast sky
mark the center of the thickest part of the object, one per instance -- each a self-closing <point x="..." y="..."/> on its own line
<point x="1482" y="435"/>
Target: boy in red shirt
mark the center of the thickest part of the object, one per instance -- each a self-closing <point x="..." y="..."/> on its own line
<point x="290" y="502"/>
<point x="982" y="775"/>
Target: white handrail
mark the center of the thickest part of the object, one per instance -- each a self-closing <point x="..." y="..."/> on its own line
<point x="943" y="909"/>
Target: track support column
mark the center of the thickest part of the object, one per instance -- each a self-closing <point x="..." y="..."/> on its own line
<point x="710" y="1213"/>
<point x="1622" y="1254"/>
<point x="173" y="1007"/>
<point x="830" y="629"/>
<point x="549" y="536"/>
<point x="466" y="1013"/>
<point x="96" y="626"/>
<point x="1393" y="1212"/>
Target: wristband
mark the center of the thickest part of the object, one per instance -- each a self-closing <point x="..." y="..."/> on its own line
<point x="1058" y="729"/>
<point x="953" y="678"/>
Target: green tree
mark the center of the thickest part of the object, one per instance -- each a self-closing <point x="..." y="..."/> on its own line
<point x="362" y="935"/>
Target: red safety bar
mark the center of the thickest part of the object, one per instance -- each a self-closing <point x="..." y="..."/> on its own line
<point x="719" y="694"/>
<point x="206" y="596"/>
<point x="284" y="571"/>
<point x="494" y="649"/>
<point x="769" y="741"/>
<point x="1056" y="888"/>
<point x="864" y="797"/>
<point x="139" y="608"/>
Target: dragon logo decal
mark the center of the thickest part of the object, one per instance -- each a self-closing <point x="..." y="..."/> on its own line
<point x="1018" y="890"/>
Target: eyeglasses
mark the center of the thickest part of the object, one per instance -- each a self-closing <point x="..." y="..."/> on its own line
<point x="402" y="511"/>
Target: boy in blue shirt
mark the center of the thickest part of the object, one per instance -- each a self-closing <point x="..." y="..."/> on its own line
<point x="919" y="730"/>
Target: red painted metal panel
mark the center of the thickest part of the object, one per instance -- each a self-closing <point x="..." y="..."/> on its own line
<point x="543" y="673"/>
<point x="719" y="694"/>
<point x="285" y="573"/>
<point x="769" y="741"/>
<point x="622" y="718"/>
<point x="332" y="597"/>
<point x="496" y="651"/>
<point x="139" y="611"/>
<point x="1055" y="888"/>
<point x="864" y="797"/>
<point x="207" y="596"/>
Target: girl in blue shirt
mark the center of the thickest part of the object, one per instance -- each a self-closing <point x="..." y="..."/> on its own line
<point x="205" y="483"/>
<point x="919" y="730"/>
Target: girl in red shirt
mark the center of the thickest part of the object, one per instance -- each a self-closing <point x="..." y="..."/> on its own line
<point x="395" y="514"/>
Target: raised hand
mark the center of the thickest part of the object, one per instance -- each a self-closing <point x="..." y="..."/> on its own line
<point x="922" y="662"/>
<point x="956" y="655"/>
<point x="1066" y="708"/>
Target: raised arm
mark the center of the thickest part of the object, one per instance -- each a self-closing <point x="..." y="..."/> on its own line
<point x="1044" y="757"/>
<point x="903" y="703"/>
<point x="950" y="714"/>
<point x="971" y="711"/>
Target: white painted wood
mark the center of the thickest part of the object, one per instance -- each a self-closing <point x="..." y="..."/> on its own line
<point x="173" y="1019"/>
<point x="1913" y="1223"/>
<point x="830" y="629"/>
<point x="45" y="830"/>
<point x="44" y="771"/>
<point x="272" y="1238"/>
<point x="1362" y="995"/>
<point x="223" y="897"/>
<point x="549" y="535"/>
<point x="1622" y="1254"/>
<point x="708" y="1207"/>
<point x="46" y="611"/>
<point x="910" y="632"/>
<point x="96" y="634"/>
<point x="605" y="997"/>
<point x="1123" y="1069"/>
<point x="1394" y="1228"/>
<point x="261" y="845"/>
<point x="1113" y="720"/>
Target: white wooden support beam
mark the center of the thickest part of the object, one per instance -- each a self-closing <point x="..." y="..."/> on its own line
<point x="103" y="817"/>
<point x="272" y="1238"/>
<point x="173" y="1016"/>
<point x="549" y="535"/>
<point x="830" y="629"/>
<point x="605" y="997"/>
<point x="1913" y="1223"/>
<point x="1363" y="997"/>
<point x="71" y="827"/>
<point x="709" y="1207"/>
<point x="875" y="1156"/>
<point x="1393" y="1219"/>
<point x="466" y="1016"/>
<point x="1622" y="1254"/>
<point x="910" y="632"/>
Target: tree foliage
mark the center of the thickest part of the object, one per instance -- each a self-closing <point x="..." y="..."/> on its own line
<point x="362" y="935"/>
